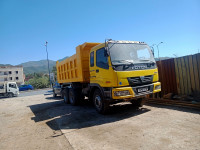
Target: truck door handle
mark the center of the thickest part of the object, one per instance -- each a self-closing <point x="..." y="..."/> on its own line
<point x="97" y="70"/>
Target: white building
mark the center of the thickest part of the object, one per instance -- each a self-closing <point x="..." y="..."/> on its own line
<point x="12" y="74"/>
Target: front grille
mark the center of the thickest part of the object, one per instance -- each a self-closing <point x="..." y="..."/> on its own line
<point x="140" y="80"/>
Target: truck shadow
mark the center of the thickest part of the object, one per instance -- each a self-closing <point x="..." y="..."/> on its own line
<point x="5" y="97"/>
<point x="54" y="98"/>
<point x="58" y="115"/>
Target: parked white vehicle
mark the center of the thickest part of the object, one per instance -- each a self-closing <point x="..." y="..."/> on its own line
<point x="9" y="89"/>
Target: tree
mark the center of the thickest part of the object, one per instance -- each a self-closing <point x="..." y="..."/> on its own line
<point x="54" y="70"/>
<point x="39" y="82"/>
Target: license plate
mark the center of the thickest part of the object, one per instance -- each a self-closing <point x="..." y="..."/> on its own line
<point x="142" y="89"/>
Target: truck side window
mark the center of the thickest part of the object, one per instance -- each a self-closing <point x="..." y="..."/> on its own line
<point x="92" y="59"/>
<point x="12" y="86"/>
<point x="101" y="59"/>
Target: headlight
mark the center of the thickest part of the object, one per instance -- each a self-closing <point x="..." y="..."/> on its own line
<point x="121" y="93"/>
<point x="157" y="87"/>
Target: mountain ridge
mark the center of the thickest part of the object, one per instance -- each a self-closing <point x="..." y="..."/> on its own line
<point x="40" y="66"/>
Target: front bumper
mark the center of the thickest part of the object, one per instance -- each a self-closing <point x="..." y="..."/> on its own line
<point x="136" y="91"/>
<point x="16" y="93"/>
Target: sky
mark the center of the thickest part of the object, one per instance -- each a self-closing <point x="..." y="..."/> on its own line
<point x="25" y="25"/>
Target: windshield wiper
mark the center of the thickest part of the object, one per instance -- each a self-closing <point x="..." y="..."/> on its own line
<point x="149" y="61"/>
<point x="123" y="62"/>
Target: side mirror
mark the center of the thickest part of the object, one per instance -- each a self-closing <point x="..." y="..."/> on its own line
<point x="152" y="52"/>
<point x="106" y="48"/>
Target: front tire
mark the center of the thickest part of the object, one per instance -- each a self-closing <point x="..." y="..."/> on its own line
<point x="99" y="102"/>
<point x="10" y="95"/>
<point x="138" y="102"/>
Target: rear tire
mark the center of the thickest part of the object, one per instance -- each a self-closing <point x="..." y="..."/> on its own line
<point x="54" y="94"/>
<point x="62" y="94"/>
<point x="66" y="96"/>
<point x="73" y="97"/>
<point x="99" y="102"/>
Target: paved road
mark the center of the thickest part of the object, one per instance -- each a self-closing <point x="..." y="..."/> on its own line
<point x="46" y="91"/>
<point x="43" y="122"/>
<point x="18" y="130"/>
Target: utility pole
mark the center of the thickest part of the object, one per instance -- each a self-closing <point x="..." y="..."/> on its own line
<point x="48" y="62"/>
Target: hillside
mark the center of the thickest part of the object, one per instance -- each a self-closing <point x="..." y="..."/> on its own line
<point x="38" y="66"/>
<point x="162" y="58"/>
<point x="5" y="65"/>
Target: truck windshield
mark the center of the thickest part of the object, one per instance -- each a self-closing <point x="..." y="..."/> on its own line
<point x="130" y="53"/>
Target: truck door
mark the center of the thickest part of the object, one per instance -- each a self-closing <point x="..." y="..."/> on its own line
<point x="101" y="71"/>
<point x="12" y="88"/>
<point x="92" y="68"/>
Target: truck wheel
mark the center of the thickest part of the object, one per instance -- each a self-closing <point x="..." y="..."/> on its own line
<point x="66" y="96"/>
<point x="10" y="95"/>
<point x="62" y="93"/>
<point x="99" y="103"/>
<point x="73" y="97"/>
<point x="138" y="102"/>
<point x="54" y="94"/>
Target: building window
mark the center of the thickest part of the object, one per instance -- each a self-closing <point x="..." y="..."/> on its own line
<point x="5" y="79"/>
<point x="16" y="72"/>
<point x="10" y="72"/>
<point x="17" y="78"/>
<point x="10" y="78"/>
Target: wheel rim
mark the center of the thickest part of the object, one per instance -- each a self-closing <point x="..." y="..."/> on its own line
<point x="97" y="101"/>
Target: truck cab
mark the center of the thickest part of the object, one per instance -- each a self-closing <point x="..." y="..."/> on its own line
<point x="123" y="70"/>
<point x="9" y="89"/>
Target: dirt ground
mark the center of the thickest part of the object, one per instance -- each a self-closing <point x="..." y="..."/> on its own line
<point x="42" y="122"/>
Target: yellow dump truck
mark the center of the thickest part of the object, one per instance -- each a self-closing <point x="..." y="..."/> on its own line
<point x="109" y="73"/>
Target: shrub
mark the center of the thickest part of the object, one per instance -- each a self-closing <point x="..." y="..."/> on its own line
<point x="39" y="83"/>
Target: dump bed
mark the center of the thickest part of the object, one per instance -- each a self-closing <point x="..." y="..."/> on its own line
<point x="76" y="67"/>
